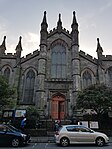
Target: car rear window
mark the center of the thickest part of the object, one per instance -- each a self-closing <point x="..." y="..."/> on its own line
<point x="70" y="128"/>
<point x="13" y="128"/>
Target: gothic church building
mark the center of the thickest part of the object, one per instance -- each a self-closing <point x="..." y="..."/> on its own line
<point x="51" y="77"/>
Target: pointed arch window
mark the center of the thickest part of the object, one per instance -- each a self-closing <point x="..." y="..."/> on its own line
<point x="29" y="87"/>
<point x="87" y="79"/>
<point x="58" y="62"/>
<point x="7" y="74"/>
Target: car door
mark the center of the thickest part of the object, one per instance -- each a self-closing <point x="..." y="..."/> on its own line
<point x="3" y="134"/>
<point x="6" y="135"/>
<point x="84" y="135"/>
<point x="72" y="134"/>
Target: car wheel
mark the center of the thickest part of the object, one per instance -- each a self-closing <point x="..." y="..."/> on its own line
<point x="15" y="142"/>
<point x="64" y="141"/>
<point x="100" y="141"/>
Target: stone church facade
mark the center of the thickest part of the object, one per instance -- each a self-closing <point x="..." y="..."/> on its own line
<point x="51" y="77"/>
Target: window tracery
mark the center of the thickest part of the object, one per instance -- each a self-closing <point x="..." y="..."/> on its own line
<point x="58" y="61"/>
<point x="29" y="87"/>
<point x="87" y="79"/>
<point x="7" y="74"/>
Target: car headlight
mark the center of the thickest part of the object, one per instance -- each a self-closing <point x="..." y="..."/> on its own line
<point x="24" y="136"/>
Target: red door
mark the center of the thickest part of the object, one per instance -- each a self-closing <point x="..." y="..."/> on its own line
<point x="58" y="107"/>
<point x="55" y="109"/>
<point x="62" y="109"/>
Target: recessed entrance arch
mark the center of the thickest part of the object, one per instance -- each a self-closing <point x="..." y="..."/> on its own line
<point x="58" y="106"/>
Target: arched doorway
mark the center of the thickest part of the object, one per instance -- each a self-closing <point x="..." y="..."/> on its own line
<point x="58" y="106"/>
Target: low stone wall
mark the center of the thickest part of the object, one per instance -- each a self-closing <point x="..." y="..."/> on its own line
<point x="43" y="132"/>
<point x="36" y="132"/>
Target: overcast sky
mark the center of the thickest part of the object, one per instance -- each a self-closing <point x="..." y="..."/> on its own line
<point x="23" y="18"/>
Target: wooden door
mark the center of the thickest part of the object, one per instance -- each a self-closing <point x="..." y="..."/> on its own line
<point x="55" y="109"/>
<point x="62" y="109"/>
<point x="58" y="107"/>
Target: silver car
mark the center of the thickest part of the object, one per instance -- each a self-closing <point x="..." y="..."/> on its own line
<point x="79" y="134"/>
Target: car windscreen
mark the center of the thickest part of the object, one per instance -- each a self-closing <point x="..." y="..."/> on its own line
<point x="13" y="128"/>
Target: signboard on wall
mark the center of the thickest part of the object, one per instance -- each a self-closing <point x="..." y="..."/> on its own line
<point x="85" y="123"/>
<point x="8" y="113"/>
<point x="94" y="124"/>
<point x="20" y="113"/>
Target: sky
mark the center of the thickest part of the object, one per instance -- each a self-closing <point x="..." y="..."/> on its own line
<point x="24" y="17"/>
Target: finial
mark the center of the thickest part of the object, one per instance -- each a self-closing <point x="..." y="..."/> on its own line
<point x="74" y="22"/>
<point x="19" y="47"/>
<point x="74" y="13"/>
<point x="3" y="43"/>
<point x="59" y="21"/>
<point x="44" y="12"/>
<point x="74" y="18"/>
<point x="44" y="18"/>
<point x="98" y="40"/>
<point x="3" y="46"/>
<point x="44" y="24"/>
<point x="98" y="43"/>
<point x="20" y="38"/>
<point x="59" y="24"/>
<point x="59" y="16"/>
<point x="4" y="37"/>
<point x="99" y="48"/>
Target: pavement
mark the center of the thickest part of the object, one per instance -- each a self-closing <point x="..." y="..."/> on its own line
<point x="47" y="139"/>
<point x="44" y="139"/>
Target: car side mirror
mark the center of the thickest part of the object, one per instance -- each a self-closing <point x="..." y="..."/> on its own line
<point x="91" y="131"/>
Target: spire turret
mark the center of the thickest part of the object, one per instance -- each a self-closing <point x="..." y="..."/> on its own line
<point x="75" y="31"/>
<point x="40" y="103"/>
<point x="59" y="23"/>
<point x="44" y="24"/>
<point x="99" y="51"/>
<point x="43" y="32"/>
<point x="74" y="20"/>
<point x="19" y="47"/>
<point x="99" y="48"/>
<point x="3" y="46"/>
<point x="75" y="60"/>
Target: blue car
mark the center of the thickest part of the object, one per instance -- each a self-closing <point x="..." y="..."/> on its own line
<point x="9" y="135"/>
